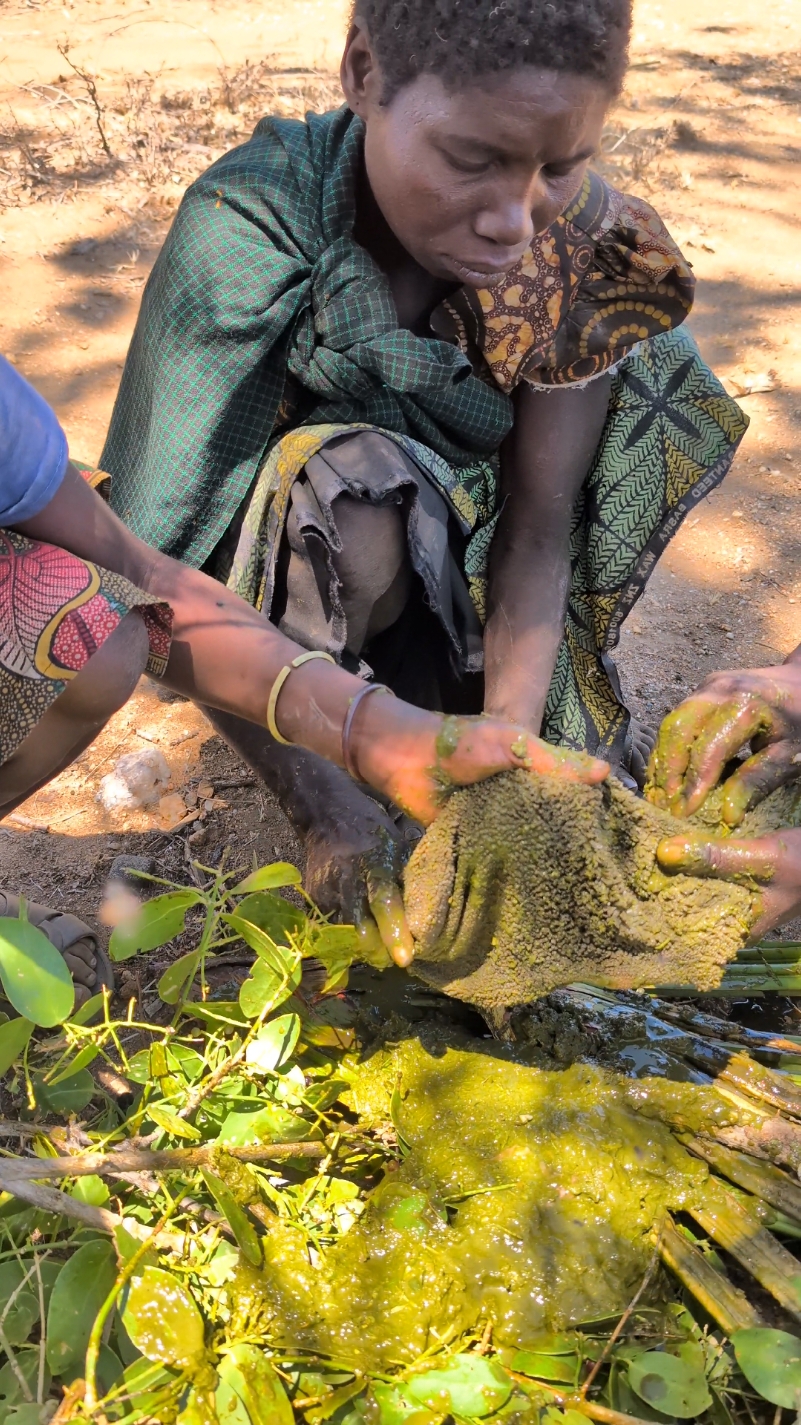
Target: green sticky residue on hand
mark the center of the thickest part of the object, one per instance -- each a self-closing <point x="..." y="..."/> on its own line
<point x="448" y="738"/>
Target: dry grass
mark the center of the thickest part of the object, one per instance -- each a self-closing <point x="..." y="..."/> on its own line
<point x="70" y="135"/>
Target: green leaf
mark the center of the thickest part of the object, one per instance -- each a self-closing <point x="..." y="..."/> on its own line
<point x="186" y="1061"/>
<point x="155" y="924"/>
<point x="88" y="1010"/>
<point x="269" y="878"/>
<point x="175" y="977"/>
<point x="333" y="1403"/>
<point x="199" y="1408"/>
<point x="23" y="1315"/>
<point x="10" y="1390"/>
<point x="467" y="1385"/>
<point x="279" y="920"/>
<point x="24" y="1415"/>
<point x="81" y="1287"/>
<point x="33" y="974"/>
<point x="550" y="1343"/>
<point x="229" y="1407"/>
<point x="274" y="1044"/>
<point x="70" y="1097"/>
<point x="91" y="1189"/>
<point x="216" y="1012"/>
<point x="171" y="1123"/>
<point x="553" y="1416"/>
<point x="281" y="958"/>
<point x="144" y="1381"/>
<point x="266" y="988"/>
<point x="336" y="947"/>
<point x="670" y="1385"/>
<point x="271" y="1124"/>
<point x="14" y="1035"/>
<point x="544" y="1367"/>
<point x="321" y="1096"/>
<point x="83" y="1058"/>
<point x="162" y="1320"/>
<point x="249" y="1374"/>
<point x="245" y="1233"/>
<point x="397" y="1407"/>
<point x="771" y="1362"/>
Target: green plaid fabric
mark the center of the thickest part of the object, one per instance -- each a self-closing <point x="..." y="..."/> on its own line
<point x="260" y="278"/>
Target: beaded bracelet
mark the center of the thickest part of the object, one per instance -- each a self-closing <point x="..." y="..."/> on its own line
<point x="278" y="685"/>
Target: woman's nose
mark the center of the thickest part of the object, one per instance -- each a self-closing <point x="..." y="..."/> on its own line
<point x="507" y="222"/>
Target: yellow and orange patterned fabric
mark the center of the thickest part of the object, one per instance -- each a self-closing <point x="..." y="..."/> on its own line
<point x="606" y="276"/>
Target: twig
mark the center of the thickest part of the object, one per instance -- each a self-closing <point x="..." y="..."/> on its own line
<point x="9" y="1129"/>
<point x="91" y="89"/>
<point x="566" y="1400"/>
<point x="644" y="1284"/>
<point x="99" y="1218"/>
<point x="133" y="1160"/>
<point x="40" y="1376"/>
<point x="73" y="1395"/>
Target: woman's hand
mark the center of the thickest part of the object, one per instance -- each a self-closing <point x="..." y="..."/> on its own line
<point x="416" y="758"/>
<point x="760" y="706"/>
<point x="774" y="862"/>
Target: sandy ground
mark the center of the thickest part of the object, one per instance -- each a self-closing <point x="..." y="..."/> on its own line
<point x="107" y="110"/>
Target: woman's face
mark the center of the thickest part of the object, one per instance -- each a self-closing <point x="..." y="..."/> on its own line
<point x="466" y="178"/>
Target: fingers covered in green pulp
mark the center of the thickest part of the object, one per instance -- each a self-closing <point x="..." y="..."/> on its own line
<point x="772" y="862"/>
<point x="760" y="707"/>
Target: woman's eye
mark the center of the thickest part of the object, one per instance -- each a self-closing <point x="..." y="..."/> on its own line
<point x="463" y="165"/>
<point x="554" y="173"/>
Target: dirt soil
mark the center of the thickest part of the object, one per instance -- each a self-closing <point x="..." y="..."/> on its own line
<point x="108" y="110"/>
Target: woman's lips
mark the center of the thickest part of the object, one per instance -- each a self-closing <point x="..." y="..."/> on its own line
<point x="484" y="273"/>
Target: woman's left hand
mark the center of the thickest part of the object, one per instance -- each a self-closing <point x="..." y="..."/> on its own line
<point x="761" y="706"/>
<point x="773" y="862"/>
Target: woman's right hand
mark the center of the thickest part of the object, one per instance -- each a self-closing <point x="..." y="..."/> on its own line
<point x="417" y="758"/>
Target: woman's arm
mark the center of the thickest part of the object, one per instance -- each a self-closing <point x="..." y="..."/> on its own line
<point x="228" y="655"/>
<point x="544" y="463"/>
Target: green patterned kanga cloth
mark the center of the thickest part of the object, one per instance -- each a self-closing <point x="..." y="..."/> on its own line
<point x="669" y="439"/>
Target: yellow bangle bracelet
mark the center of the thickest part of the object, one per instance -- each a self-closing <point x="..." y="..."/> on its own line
<point x="278" y="685"/>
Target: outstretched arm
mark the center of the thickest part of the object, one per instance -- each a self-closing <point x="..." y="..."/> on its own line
<point x="228" y="655"/>
<point x="544" y="463"/>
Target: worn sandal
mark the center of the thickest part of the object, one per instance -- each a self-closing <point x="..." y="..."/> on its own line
<point x="88" y="964"/>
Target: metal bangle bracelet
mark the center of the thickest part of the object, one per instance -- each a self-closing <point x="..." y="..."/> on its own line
<point x="278" y="685"/>
<point x="347" y="726"/>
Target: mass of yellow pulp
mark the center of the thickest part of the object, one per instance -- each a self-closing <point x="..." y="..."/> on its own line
<point x="527" y="1198"/>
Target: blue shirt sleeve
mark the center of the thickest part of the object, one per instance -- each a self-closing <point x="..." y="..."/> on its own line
<point x="33" y="449"/>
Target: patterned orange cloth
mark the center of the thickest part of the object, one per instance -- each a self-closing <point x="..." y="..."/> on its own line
<point x="606" y="276"/>
<point x="56" y="611"/>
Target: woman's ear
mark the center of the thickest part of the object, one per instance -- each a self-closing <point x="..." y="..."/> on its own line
<point x="359" y="74"/>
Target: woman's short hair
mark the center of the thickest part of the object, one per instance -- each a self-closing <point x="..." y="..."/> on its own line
<point x="461" y="40"/>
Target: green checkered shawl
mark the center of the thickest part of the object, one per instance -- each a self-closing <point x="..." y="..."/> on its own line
<point x="260" y="277"/>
